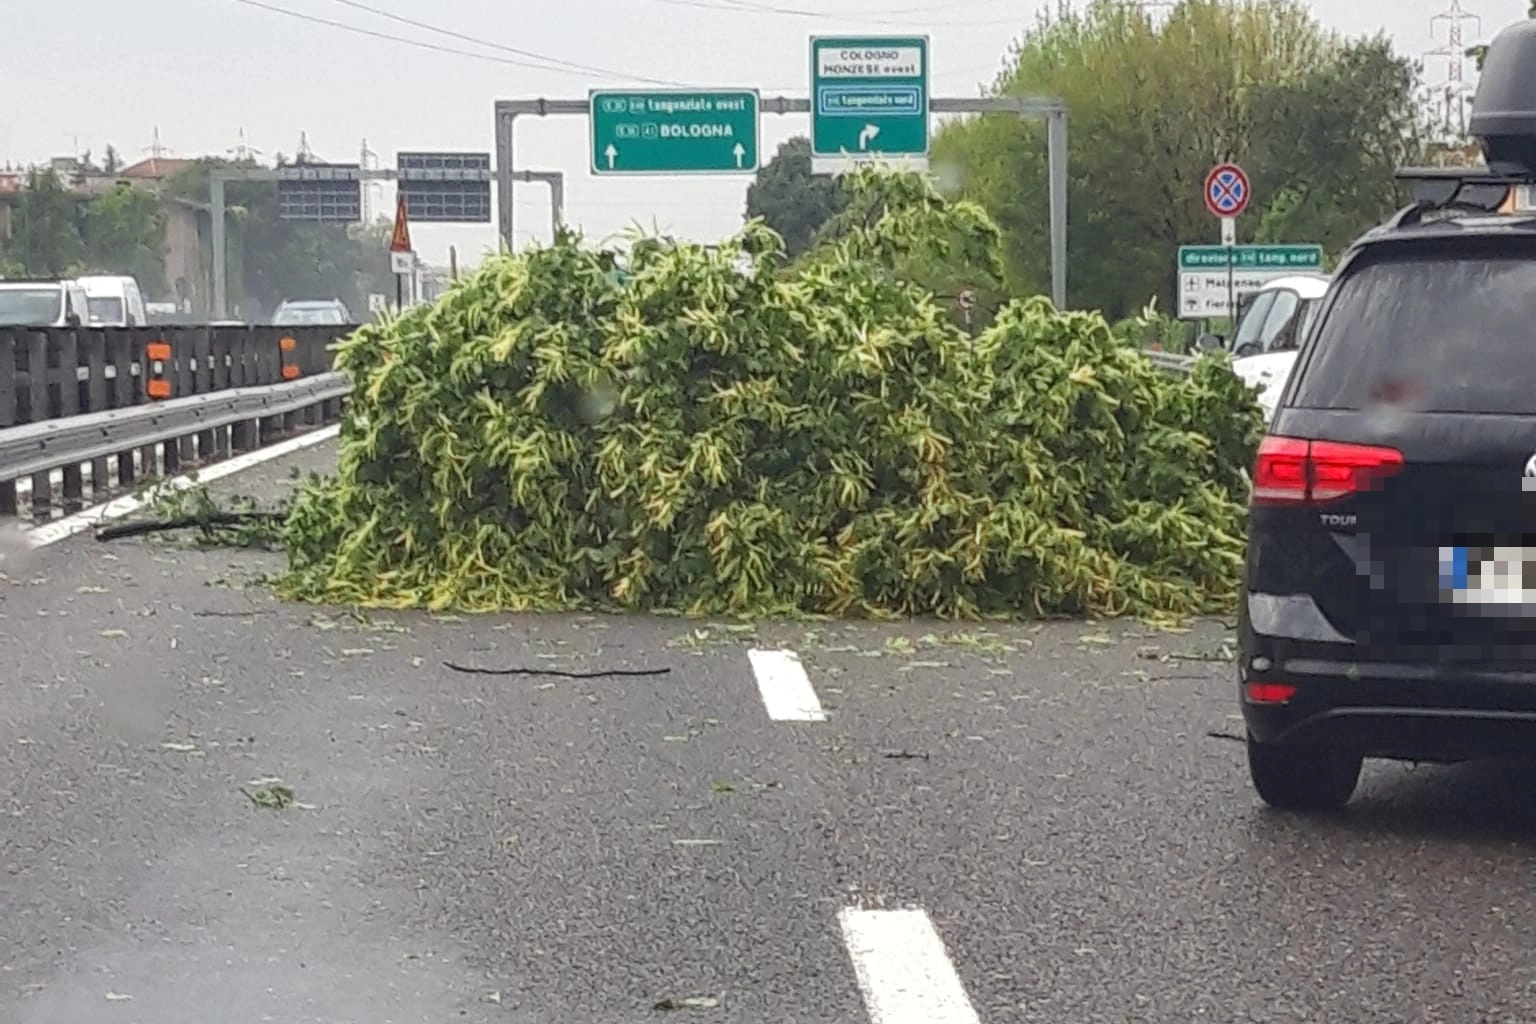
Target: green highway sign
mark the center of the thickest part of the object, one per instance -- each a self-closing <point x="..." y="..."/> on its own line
<point x="674" y="131"/>
<point x="869" y="100"/>
<point x="1252" y="257"/>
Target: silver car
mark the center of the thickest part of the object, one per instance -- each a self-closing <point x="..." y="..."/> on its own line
<point x="312" y="312"/>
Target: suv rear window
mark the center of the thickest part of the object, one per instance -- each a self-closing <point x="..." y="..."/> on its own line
<point x="1448" y="327"/>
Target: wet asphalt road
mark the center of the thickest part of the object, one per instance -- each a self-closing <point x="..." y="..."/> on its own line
<point x="549" y="850"/>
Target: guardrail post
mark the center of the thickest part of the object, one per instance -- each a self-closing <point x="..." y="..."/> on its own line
<point x="288" y="369"/>
<point x="39" y="408"/>
<point x="159" y="385"/>
<point x="184" y="362"/>
<point x="94" y="393"/>
<point x="68" y="350"/>
<point x="9" y="372"/>
<point x="218" y="366"/>
<point x="269" y="368"/>
<point x="243" y="436"/>
<point x="129" y="387"/>
<point x="208" y="441"/>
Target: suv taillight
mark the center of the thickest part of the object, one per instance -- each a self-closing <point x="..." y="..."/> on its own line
<point x="1293" y="471"/>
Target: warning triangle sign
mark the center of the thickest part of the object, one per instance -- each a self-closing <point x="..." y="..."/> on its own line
<point x="400" y="241"/>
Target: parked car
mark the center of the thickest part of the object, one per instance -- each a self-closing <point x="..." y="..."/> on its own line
<point x="303" y="312"/>
<point x="41" y="304"/>
<point x="1389" y="602"/>
<point x="114" y="301"/>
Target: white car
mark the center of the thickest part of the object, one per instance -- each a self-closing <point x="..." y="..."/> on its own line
<point x="1269" y="332"/>
<point x="42" y="304"/>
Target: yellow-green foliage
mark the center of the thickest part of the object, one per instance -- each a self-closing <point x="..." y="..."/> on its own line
<point x="817" y="438"/>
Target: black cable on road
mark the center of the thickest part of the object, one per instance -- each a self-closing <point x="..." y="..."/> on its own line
<point x="470" y="670"/>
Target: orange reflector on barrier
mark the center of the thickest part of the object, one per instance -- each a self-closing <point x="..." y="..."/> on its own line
<point x="158" y="389"/>
<point x="157" y="350"/>
<point x="290" y="372"/>
<point x="287" y="344"/>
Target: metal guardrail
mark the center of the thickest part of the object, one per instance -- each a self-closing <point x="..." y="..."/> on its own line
<point x="52" y="373"/>
<point x="259" y="389"/>
<point x="106" y="452"/>
<point x="54" y="444"/>
<point x="94" y="410"/>
<point x="1171" y="362"/>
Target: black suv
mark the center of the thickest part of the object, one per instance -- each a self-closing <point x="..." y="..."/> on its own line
<point x="1388" y="611"/>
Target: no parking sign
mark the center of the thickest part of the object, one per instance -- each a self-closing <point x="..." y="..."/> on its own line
<point x="1226" y="190"/>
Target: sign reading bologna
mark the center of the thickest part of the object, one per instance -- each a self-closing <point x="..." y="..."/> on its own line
<point x="674" y="132"/>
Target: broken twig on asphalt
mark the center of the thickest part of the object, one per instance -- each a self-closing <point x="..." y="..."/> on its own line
<point x="143" y="528"/>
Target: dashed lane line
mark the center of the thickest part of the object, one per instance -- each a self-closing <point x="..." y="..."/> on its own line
<point x="903" y="969"/>
<point x="786" y="689"/>
<point x="61" y="529"/>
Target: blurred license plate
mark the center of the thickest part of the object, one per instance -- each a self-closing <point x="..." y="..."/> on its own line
<point x="1488" y="575"/>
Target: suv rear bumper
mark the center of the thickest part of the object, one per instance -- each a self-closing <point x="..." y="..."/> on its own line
<point x="1433" y="734"/>
<point x="1403" y="705"/>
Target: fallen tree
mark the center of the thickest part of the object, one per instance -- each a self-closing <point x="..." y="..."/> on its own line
<point x="818" y="437"/>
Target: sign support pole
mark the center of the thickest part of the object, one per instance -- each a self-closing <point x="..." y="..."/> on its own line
<point x="401" y="254"/>
<point x="1229" y="242"/>
<point x="1227" y="192"/>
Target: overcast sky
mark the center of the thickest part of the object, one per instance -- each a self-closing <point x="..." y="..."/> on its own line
<point x="93" y="72"/>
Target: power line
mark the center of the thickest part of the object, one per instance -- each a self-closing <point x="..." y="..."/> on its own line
<point x="423" y="45"/>
<point x="728" y="7"/>
<point x="553" y="64"/>
<point x="451" y="34"/>
<point x="762" y="8"/>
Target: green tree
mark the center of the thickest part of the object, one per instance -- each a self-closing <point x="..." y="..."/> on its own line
<point x="45" y="229"/>
<point x="961" y="258"/>
<point x="125" y="234"/>
<point x="1325" y="145"/>
<point x="790" y="199"/>
<point x="1152" y="107"/>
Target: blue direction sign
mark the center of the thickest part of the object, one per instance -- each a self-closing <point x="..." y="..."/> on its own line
<point x="1226" y="190"/>
<point x="869" y="100"/>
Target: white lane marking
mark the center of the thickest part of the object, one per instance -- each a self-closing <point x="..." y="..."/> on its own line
<point x="786" y="689"/>
<point x="61" y="529"/>
<point x="903" y="969"/>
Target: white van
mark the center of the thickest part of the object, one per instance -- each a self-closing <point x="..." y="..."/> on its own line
<point x="41" y="303"/>
<point x="1269" y="331"/>
<point x="114" y="301"/>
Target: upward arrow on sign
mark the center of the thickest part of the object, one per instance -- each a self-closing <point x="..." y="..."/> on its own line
<point x="400" y="240"/>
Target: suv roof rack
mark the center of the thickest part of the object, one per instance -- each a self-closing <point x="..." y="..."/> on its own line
<point x="1463" y="189"/>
